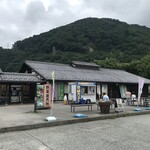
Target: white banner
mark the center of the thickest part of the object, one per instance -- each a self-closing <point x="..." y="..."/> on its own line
<point x="53" y="78"/>
<point x="140" y="87"/>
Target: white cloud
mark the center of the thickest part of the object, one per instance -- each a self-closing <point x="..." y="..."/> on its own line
<point x="23" y="18"/>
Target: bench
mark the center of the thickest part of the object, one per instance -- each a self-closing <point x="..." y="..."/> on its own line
<point x="80" y="105"/>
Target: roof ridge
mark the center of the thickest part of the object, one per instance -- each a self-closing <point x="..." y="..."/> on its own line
<point x="48" y="63"/>
<point x="17" y="73"/>
<point x="85" y="63"/>
<point x="112" y="69"/>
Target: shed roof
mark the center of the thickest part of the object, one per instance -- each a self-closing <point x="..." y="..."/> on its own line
<point x="18" y="77"/>
<point x="68" y="73"/>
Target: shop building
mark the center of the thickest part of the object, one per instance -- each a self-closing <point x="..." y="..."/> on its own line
<point x="85" y="80"/>
<point x="17" y="87"/>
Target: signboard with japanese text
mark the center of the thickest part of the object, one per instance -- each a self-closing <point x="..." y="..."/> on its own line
<point x="47" y="95"/>
<point x="40" y="96"/>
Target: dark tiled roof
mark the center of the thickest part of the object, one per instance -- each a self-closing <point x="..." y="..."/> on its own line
<point x="68" y="73"/>
<point x="18" y="77"/>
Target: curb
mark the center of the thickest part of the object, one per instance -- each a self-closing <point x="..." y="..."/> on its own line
<point x="69" y="121"/>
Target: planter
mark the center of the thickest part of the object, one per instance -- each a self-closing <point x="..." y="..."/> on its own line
<point x="105" y="107"/>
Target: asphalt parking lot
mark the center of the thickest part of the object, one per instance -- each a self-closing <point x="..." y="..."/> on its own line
<point x="23" y="117"/>
<point x="131" y="132"/>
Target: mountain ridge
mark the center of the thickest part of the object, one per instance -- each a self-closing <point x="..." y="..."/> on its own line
<point x="105" y="41"/>
<point x="81" y="34"/>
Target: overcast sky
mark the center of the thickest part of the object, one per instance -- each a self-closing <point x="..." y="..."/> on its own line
<point x="20" y="19"/>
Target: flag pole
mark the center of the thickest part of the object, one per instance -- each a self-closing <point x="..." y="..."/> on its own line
<point x="53" y="78"/>
<point x="51" y="118"/>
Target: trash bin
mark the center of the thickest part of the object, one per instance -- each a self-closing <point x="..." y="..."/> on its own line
<point x="105" y="107"/>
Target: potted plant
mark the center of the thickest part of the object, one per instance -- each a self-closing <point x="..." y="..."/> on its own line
<point x="104" y="106"/>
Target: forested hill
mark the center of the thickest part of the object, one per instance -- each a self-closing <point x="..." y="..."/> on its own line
<point x="92" y="35"/>
<point x="108" y="42"/>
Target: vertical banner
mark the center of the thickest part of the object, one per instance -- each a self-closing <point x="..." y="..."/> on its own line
<point x="53" y="79"/>
<point x="78" y="93"/>
<point x="56" y="92"/>
<point x="47" y="96"/>
<point x="60" y="91"/>
<point x="104" y="89"/>
<point x="50" y="118"/>
<point x="140" y="87"/>
<point x="123" y="90"/>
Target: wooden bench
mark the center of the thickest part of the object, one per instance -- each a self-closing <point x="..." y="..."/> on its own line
<point x="80" y="105"/>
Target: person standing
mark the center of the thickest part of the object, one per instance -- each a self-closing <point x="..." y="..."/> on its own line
<point x="105" y="97"/>
<point x="133" y="97"/>
<point x="128" y="95"/>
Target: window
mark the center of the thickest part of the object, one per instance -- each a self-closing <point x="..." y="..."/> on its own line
<point x="84" y="90"/>
<point x="91" y="90"/>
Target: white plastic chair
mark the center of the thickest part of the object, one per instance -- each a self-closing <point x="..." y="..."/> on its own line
<point x="119" y="105"/>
